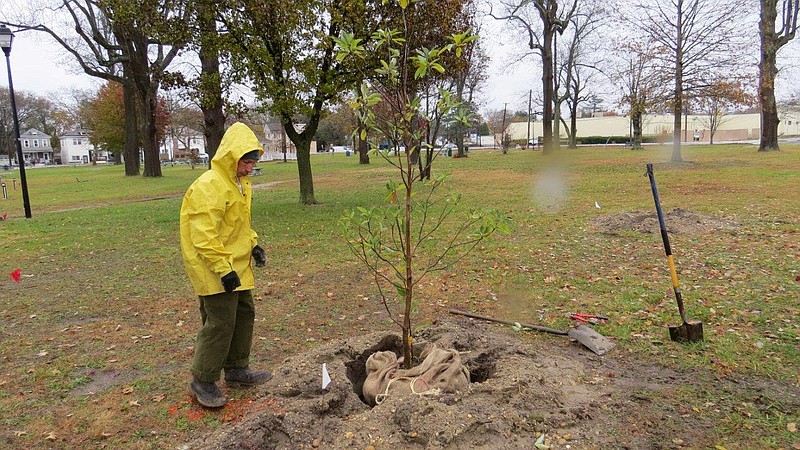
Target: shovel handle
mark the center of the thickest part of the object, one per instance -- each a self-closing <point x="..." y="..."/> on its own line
<point x="665" y="238"/>
<point x="492" y="319"/>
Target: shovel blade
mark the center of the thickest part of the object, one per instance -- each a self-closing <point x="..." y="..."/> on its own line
<point x="591" y="339"/>
<point x="687" y="332"/>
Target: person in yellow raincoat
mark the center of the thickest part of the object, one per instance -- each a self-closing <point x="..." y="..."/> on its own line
<point x="218" y="245"/>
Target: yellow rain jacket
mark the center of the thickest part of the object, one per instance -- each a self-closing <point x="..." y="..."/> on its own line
<point x="216" y="237"/>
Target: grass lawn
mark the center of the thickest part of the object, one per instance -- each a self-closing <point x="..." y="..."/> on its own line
<point x="96" y="338"/>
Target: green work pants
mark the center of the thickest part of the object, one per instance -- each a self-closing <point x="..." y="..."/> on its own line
<point x="225" y="338"/>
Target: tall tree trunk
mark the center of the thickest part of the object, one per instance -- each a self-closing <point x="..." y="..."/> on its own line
<point x="767" y="71"/>
<point x="547" y="90"/>
<point x="210" y="81"/>
<point x="131" y="128"/>
<point x="459" y="126"/>
<point x="677" y="106"/>
<point x="152" y="161"/>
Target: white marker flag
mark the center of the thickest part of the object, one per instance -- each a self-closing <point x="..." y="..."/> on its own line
<point x="326" y="379"/>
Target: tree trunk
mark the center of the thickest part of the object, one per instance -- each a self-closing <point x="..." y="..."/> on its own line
<point x="547" y="89"/>
<point x="210" y="82"/>
<point x="573" y="123"/>
<point x="304" y="171"/>
<point x="131" y="129"/>
<point x="409" y="281"/>
<point x="636" y="123"/>
<point x="677" y="106"/>
<point x="302" y="144"/>
<point x="152" y="161"/>
<point x="363" y="147"/>
<point x="767" y="72"/>
<point x="459" y="126"/>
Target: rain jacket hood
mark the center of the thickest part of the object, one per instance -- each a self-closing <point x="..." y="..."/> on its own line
<point x="215" y="227"/>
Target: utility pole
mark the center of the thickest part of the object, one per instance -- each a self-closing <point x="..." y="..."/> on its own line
<point x="530" y="96"/>
<point x="503" y="143"/>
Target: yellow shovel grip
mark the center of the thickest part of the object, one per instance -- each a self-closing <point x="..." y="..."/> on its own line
<point x="672" y="271"/>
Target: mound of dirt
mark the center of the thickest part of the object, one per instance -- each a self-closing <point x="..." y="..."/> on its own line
<point x="678" y="221"/>
<point x="519" y="391"/>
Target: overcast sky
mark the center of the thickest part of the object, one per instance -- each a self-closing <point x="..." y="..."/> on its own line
<point x="39" y="65"/>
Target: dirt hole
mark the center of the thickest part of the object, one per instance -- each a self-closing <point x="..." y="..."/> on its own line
<point x="357" y="367"/>
<point x="481" y="365"/>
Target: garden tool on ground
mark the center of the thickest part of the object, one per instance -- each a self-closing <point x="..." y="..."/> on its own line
<point x="591" y="339"/>
<point x="593" y="319"/>
<point x="687" y="331"/>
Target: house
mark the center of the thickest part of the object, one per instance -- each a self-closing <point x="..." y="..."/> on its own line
<point x="36" y="147"/>
<point x="275" y="140"/>
<point x="183" y="143"/>
<point x="76" y="148"/>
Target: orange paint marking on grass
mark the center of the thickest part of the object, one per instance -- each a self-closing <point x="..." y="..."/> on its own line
<point x="195" y="413"/>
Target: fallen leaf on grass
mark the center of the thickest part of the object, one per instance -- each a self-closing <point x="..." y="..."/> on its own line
<point x="134" y="403"/>
<point x="106" y="434"/>
<point x="51" y="436"/>
<point x="127" y="390"/>
<point x="20" y="433"/>
<point x="792" y="427"/>
<point x="158" y="398"/>
<point x="42" y="353"/>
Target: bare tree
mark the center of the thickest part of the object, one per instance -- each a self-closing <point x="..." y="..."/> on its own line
<point x="639" y="82"/>
<point x="702" y="37"/>
<point x="719" y="99"/>
<point x="577" y="66"/>
<point x="540" y="21"/>
<point x="772" y="39"/>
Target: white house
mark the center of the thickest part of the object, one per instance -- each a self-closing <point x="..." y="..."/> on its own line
<point x="36" y="147"/>
<point x="76" y="148"/>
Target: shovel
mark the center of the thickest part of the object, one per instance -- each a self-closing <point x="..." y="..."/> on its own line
<point x="591" y="339"/>
<point x="687" y="331"/>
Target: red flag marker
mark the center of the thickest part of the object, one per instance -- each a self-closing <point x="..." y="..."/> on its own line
<point x="16" y="274"/>
<point x="4" y="216"/>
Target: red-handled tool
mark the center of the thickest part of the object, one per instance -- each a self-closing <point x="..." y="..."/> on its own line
<point x="593" y="319"/>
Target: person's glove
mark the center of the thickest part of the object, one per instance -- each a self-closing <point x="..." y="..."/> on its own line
<point x="260" y="256"/>
<point x="231" y="281"/>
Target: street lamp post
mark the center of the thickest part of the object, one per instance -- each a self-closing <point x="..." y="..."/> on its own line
<point x="6" y="37"/>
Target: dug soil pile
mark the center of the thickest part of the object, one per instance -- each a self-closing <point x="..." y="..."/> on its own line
<point x="522" y="390"/>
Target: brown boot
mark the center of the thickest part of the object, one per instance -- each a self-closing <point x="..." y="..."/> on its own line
<point x="246" y="377"/>
<point x="207" y="394"/>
